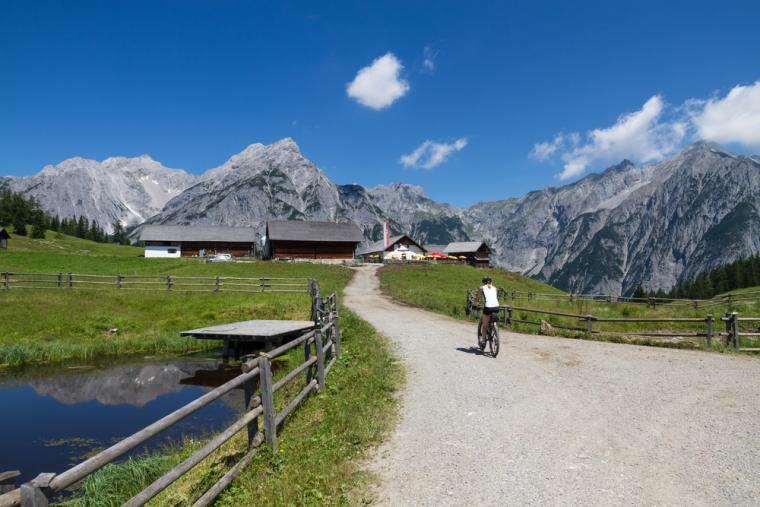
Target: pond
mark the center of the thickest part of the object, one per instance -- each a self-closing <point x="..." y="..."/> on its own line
<point x="55" y="418"/>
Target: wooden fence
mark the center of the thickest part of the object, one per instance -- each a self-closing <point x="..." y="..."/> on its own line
<point x="731" y="320"/>
<point x="321" y="349"/>
<point x="12" y="281"/>
<point x="742" y="297"/>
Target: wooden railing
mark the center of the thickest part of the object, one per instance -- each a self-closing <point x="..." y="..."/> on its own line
<point x="13" y="280"/>
<point x="732" y="334"/>
<point x="321" y="350"/>
<point x="733" y="298"/>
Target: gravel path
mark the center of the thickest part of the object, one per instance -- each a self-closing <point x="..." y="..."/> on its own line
<point x="556" y="421"/>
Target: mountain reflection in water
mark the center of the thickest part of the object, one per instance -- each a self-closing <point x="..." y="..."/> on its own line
<point x="52" y="419"/>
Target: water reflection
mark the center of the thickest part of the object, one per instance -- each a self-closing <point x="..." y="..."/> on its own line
<point x="53" y="419"/>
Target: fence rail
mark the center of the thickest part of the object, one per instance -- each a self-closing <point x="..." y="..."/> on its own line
<point x="321" y="350"/>
<point x="733" y="333"/>
<point x="16" y="280"/>
<point x="741" y="297"/>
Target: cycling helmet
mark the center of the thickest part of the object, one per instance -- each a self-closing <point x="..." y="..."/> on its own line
<point x="486" y="279"/>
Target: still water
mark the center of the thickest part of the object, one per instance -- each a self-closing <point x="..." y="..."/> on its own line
<point x="53" y="419"/>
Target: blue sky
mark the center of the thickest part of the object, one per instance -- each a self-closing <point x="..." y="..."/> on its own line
<point x="471" y="100"/>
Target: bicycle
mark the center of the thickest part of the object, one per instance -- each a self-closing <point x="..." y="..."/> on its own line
<point x="492" y="335"/>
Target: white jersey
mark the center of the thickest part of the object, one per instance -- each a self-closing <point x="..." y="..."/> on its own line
<point x="490" y="293"/>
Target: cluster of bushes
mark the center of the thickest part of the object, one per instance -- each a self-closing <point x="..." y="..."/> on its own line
<point x="20" y="212"/>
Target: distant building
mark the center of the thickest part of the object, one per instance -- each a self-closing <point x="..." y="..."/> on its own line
<point x="476" y="253"/>
<point x="398" y="247"/>
<point x="197" y="240"/>
<point x="293" y="239"/>
<point x="4" y="237"/>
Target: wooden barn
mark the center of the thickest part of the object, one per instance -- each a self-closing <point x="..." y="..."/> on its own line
<point x="477" y="253"/>
<point x="4" y="237"/>
<point x="292" y="239"/>
<point x="198" y="240"/>
<point x="379" y="250"/>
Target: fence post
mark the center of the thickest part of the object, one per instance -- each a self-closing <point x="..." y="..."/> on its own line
<point x="217" y="284"/>
<point x="728" y="328"/>
<point x="650" y="302"/>
<point x="267" y="399"/>
<point x="32" y="492"/>
<point x="306" y="357"/>
<point x="5" y="280"/>
<point x="508" y="316"/>
<point x="336" y="335"/>
<point x="168" y="282"/>
<point x="60" y="280"/>
<point x="69" y="280"/>
<point x="320" y="359"/>
<point x="735" y="329"/>
<point x="118" y="281"/>
<point x="589" y="324"/>
<point x="709" y="329"/>
<point x="249" y="388"/>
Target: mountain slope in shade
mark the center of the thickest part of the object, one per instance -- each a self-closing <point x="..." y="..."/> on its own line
<point x="628" y="226"/>
<point x="118" y="188"/>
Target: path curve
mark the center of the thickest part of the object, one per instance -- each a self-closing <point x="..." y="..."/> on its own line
<point x="556" y="421"/>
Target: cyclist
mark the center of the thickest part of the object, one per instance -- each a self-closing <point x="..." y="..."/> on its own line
<point x="489" y="297"/>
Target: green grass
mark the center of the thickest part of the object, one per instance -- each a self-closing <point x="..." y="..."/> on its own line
<point x="54" y="325"/>
<point x="322" y="444"/>
<point x="443" y="289"/>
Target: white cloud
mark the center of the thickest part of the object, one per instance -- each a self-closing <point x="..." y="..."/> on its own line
<point x="642" y="135"/>
<point x="544" y="151"/>
<point x="379" y="85"/>
<point x="734" y="118"/>
<point x="429" y="62"/>
<point x="430" y="154"/>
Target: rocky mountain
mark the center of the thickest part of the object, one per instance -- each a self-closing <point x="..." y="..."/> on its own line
<point x="118" y="188"/>
<point x="631" y="226"/>
<point x="276" y="181"/>
<point x="628" y="226"/>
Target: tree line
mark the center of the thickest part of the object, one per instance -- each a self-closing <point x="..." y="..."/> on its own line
<point x="736" y="275"/>
<point x="20" y="212"/>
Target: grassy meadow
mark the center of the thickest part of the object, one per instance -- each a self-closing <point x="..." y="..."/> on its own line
<point x="53" y="325"/>
<point x="443" y="289"/>
<point x="322" y="444"/>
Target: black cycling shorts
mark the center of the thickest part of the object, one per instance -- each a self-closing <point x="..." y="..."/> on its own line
<point x="489" y="310"/>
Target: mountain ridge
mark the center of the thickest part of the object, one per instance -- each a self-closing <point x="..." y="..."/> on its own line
<point x="610" y="231"/>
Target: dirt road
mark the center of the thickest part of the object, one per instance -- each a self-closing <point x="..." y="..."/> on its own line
<point x="556" y="421"/>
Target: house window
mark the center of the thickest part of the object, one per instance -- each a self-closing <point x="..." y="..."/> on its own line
<point x="172" y="250"/>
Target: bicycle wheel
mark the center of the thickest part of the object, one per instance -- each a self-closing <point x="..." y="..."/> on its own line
<point x="481" y="339"/>
<point x="493" y="339"/>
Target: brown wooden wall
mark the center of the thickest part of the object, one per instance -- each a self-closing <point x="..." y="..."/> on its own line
<point x="191" y="248"/>
<point x="312" y="250"/>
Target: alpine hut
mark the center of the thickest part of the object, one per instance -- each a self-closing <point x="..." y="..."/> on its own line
<point x="294" y="239"/>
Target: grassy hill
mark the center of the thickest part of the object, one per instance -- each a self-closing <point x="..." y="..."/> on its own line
<point x="443" y="289"/>
<point x="58" y="324"/>
<point x="323" y="443"/>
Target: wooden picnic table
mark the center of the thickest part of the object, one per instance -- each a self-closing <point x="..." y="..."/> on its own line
<point x="266" y="332"/>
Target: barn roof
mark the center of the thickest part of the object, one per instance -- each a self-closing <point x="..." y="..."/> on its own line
<point x="4" y="234"/>
<point x="298" y="230"/>
<point x="379" y="246"/>
<point x="198" y="233"/>
<point x="464" y="247"/>
<point x="434" y="248"/>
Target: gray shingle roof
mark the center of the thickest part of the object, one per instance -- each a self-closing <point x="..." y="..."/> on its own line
<point x="463" y="247"/>
<point x="297" y="230"/>
<point x="198" y="233"/>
